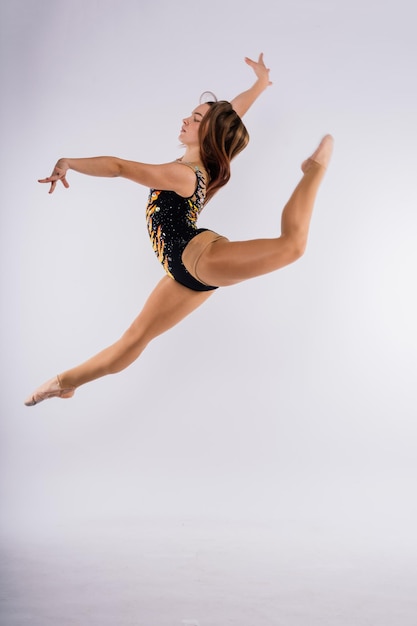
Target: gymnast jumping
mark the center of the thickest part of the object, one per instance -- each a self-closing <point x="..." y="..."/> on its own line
<point x="196" y="261"/>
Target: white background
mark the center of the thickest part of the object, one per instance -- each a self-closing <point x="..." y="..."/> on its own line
<point x="289" y="399"/>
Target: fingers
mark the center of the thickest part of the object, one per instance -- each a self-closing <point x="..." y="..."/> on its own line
<point x="50" y="179"/>
<point x="260" y="60"/>
<point x="53" y="179"/>
<point x="250" y="62"/>
<point x="259" y="67"/>
<point x="259" y="63"/>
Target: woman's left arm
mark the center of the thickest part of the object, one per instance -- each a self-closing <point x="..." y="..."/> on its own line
<point x="170" y="176"/>
<point x="244" y="101"/>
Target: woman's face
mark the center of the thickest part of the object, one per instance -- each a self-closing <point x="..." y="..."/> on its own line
<point x="190" y="125"/>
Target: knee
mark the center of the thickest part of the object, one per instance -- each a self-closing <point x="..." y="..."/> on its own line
<point x="134" y="336"/>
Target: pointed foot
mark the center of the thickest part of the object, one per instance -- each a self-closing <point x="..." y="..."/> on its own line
<point x="50" y="389"/>
<point x="321" y="155"/>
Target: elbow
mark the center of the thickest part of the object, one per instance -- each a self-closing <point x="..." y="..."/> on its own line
<point x="117" y="167"/>
<point x="295" y="247"/>
<point x="300" y="247"/>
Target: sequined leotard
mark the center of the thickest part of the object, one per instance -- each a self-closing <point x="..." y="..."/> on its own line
<point x="172" y="223"/>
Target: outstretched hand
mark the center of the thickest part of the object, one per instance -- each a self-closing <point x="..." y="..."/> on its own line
<point x="58" y="173"/>
<point x="261" y="71"/>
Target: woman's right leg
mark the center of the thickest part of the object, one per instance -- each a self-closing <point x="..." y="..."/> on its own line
<point x="168" y="304"/>
<point x="227" y="262"/>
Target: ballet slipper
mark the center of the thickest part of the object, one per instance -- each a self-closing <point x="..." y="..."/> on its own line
<point x="50" y="389"/>
<point x="321" y="155"/>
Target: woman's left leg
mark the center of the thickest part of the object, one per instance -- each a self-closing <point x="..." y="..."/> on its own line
<point x="168" y="304"/>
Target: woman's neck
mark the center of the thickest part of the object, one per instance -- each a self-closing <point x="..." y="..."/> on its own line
<point x="191" y="155"/>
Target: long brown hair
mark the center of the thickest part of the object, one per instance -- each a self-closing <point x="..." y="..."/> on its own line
<point x="222" y="136"/>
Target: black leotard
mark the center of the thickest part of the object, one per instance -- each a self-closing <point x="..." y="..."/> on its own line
<point x="172" y="223"/>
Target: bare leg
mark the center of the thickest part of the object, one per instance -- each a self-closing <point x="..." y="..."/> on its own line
<point x="226" y="262"/>
<point x="168" y="304"/>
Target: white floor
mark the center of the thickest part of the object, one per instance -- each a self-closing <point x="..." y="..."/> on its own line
<point x="206" y="573"/>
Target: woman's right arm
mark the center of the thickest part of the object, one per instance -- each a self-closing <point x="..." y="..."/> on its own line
<point x="169" y="176"/>
<point x="242" y="103"/>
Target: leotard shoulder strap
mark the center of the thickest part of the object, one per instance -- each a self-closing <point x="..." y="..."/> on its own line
<point x="194" y="167"/>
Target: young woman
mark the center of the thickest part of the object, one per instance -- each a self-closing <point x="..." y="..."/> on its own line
<point x="196" y="261"/>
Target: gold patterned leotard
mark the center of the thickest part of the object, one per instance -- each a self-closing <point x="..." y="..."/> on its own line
<point x="172" y="223"/>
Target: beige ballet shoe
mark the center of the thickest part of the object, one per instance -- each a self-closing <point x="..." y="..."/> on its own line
<point x="50" y="389"/>
<point x="321" y="156"/>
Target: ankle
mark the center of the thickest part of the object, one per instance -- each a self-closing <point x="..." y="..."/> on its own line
<point x="64" y="383"/>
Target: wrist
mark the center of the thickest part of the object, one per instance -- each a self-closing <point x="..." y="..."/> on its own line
<point x="261" y="84"/>
<point x="63" y="163"/>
